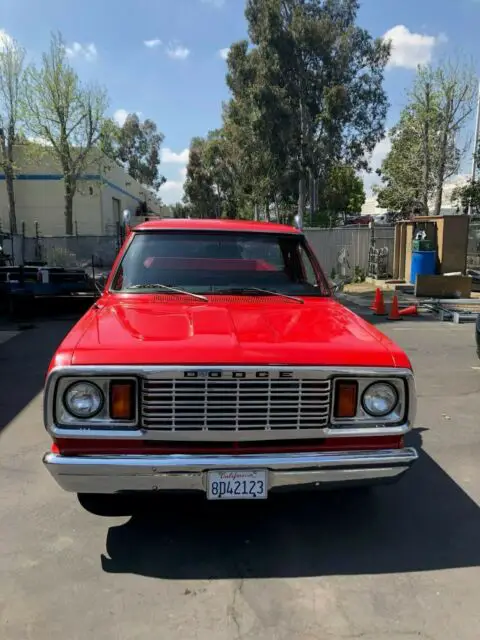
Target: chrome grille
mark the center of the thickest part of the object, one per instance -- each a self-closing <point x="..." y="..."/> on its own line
<point x="179" y="404"/>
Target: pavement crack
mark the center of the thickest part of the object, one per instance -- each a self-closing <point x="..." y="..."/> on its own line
<point x="233" y="608"/>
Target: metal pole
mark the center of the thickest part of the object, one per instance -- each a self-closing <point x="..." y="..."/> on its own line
<point x="475" y="147"/>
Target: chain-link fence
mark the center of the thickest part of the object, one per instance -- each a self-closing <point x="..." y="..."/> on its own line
<point x="62" y="251"/>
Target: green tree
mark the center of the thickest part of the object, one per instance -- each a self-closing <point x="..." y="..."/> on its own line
<point x="199" y="189"/>
<point x="343" y="194"/>
<point x="68" y="115"/>
<point x="257" y="123"/>
<point x="306" y="98"/>
<point x="403" y="189"/>
<point x="321" y="85"/>
<point x="212" y="186"/>
<point x="12" y="85"/>
<point x="466" y="196"/>
<point x="180" y="210"/>
<point x="137" y="148"/>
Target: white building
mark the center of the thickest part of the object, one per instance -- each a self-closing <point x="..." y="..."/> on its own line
<point x="103" y="193"/>
<point x="371" y="207"/>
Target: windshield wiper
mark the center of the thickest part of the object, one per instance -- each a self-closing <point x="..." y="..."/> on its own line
<point x="166" y="287"/>
<point x="266" y="291"/>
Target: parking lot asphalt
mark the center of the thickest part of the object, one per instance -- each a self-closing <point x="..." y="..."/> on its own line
<point x="401" y="564"/>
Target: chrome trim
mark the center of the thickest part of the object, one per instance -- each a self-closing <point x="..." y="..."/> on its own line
<point x="396" y="417"/>
<point x="66" y="420"/>
<point x="113" y="474"/>
<point x="149" y="372"/>
<point x="181" y="404"/>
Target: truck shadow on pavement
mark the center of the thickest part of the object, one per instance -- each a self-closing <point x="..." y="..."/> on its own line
<point x="426" y="522"/>
<point x="23" y="364"/>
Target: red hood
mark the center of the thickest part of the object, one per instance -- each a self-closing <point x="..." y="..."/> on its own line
<point x="248" y="331"/>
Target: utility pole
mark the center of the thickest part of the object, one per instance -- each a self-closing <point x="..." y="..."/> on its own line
<point x="475" y="148"/>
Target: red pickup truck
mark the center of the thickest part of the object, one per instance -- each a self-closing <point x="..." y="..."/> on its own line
<point x="218" y="361"/>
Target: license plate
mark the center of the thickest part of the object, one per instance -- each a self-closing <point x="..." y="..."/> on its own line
<point x="237" y="485"/>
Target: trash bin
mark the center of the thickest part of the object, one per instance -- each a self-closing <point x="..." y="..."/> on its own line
<point x="423" y="263"/>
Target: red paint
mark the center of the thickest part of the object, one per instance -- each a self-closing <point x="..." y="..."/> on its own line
<point x="138" y="329"/>
<point x="148" y="329"/>
<point x="145" y="447"/>
<point x="175" y="224"/>
<point x="156" y="329"/>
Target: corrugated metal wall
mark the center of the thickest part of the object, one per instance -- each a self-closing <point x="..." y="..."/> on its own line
<point x="353" y="243"/>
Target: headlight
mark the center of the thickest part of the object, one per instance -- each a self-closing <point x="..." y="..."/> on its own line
<point x="380" y="399"/>
<point x="83" y="399"/>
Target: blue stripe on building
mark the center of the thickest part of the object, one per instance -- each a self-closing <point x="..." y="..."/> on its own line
<point x="93" y="177"/>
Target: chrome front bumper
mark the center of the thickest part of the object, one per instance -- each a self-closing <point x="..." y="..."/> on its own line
<point x="118" y="474"/>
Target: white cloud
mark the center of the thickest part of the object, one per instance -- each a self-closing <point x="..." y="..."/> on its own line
<point x="87" y="51"/>
<point x="151" y="44"/>
<point x="5" y="39"/>
<point x="177" y="52"/>
<point x="411" y="49"/>
<point x="172" y="190"/>
<point x="120" y="116"/>
<point x="169" y="156"/>
<point x="378" y="156"/>
<point x="223" y="53"/>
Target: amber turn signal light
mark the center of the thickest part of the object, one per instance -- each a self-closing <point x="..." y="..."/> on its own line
<point x="346" y="393"/>
<point x="122" y="400"/>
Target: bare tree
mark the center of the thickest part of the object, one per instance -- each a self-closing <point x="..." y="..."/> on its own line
<point x="67" y="115"/>
<point x="12" y="72"/>
<point x="455" y="87"/>
<point x="427" y="144"/>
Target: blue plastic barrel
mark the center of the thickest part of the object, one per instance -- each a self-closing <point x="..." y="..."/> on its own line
<point x="423" y="264"/>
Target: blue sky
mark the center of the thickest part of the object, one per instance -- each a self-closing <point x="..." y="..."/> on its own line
<point x="163" y="58"/>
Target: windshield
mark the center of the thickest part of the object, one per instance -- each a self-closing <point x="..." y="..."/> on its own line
<point x="209" y="262"/>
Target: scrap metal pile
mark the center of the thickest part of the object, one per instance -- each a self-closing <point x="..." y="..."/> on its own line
<point x="455" y="310"/>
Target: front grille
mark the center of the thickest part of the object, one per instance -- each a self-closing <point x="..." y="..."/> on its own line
<point x="178" y="404"/>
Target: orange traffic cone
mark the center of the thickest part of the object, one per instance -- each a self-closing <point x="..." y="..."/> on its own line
<point x="394" y="314"/>
<point x="412" y="310"/>
<point x="378" y="305"/>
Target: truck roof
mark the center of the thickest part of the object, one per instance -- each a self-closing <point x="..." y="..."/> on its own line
<point x="196" y="224"/>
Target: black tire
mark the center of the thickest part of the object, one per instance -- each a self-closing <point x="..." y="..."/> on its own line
<point x="105" y="505"/>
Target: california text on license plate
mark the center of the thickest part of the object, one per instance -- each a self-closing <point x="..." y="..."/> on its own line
<point x="237" y="485"/>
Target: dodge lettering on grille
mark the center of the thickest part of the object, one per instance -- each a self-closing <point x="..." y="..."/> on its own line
<point x="238" y="374"/>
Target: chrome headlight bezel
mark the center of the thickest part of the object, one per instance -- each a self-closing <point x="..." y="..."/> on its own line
<point x="63" y="417"/>
<point x="397" y="416"/>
